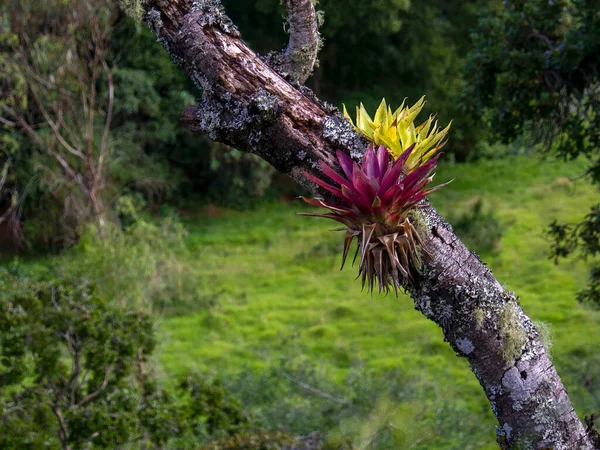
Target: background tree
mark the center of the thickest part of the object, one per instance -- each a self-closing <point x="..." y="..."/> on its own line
<point x="65" y="159"/>
<point x="68" y="359"/>
<point x="534" y="70"/>
<point x="66" y="102"/>
<point x="76" y="372"/>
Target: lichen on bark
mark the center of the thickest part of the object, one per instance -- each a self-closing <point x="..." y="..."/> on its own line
<point x="133" y="8"/>
<point x="479" y="315"/>
<point x="213" y="15"/>
<point x="514" y="336"/>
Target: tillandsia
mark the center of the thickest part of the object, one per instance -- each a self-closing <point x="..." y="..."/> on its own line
<point x="373" y="200"/>
<point x="397" y="131"/>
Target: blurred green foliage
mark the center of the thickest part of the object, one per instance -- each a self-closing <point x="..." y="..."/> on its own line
<point x="237" y="284"/>
<point x="479" y="228"/>
<point x="76" y="371"/>
<point x="405" y="50"/>
<point x="534" y="70"/>
<point x="67" y="358"/>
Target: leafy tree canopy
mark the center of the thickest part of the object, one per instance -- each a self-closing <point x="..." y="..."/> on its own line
<point x="534" y="69"/>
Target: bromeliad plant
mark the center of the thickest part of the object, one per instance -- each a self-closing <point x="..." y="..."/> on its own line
<point x="372" y="201"/>
<point x="397" y="131"/>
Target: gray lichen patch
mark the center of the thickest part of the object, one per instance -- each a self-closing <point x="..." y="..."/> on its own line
<point x="423" y="303"/>
<point x="301" y="63"/>
<point x="275" y="60"/>
<point x="329" y="108"/>
<point x="220" y="119"/>
<point x="200" y="80"/>
<point x="545" y="418"/>
<point x="507" y="430"/>
<point x="518" y="388"/>
<point x="153" y="21"/>
<point x="133" y="8"/>
<point x="517" y="406"/>
<point x="465" y="345"/>
<point x="213" y="14"/>
<point x="514" y="335"/>
<point x="265" y="104"/>
<point x="338" y="131"/>
<point x="435" y="220"/>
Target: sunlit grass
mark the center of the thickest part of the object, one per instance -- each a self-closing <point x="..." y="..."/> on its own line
<point x="279" y="291"/>
<point x="277" y="295"/>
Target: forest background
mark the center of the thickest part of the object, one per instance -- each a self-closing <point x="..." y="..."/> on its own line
<point x="114" y="217"/>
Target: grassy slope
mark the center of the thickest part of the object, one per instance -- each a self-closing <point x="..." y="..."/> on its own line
<point x="278" y="289"/>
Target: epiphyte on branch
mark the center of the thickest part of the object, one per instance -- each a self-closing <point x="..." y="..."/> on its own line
<point x="397" y="131"/>
<point x="372" y="201"/>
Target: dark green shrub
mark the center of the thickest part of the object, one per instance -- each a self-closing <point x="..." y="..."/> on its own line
<point x="73" y="374"/>
<point x="261" y="440"/>
<point x="67" y="362"/>
<point x="211" y="407"/>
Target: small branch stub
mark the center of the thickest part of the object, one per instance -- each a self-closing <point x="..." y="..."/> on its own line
<point x="300" y="56"/>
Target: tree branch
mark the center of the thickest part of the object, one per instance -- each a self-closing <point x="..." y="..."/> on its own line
<point x="312" y="389"/>
<point x="53" y="125"/>
<point x="21" y="122"/>
<point x="107" y="122"/>
<point x="300" y="56"/>
<point x="248" y="105"/>
<point x="62" y="433"/>
<point x="98" y="391"/>
<point x="7" y="123"/>
<point x="94" y="435"/>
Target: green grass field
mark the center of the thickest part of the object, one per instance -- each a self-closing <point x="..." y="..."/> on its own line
<point x="279" y="300"/>
<point x="274" y="277"/>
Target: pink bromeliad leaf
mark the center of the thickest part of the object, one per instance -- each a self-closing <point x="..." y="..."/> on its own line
<point x="376" y="190"/>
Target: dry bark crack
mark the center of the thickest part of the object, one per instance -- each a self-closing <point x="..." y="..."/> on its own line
<point x="250" y="106"/>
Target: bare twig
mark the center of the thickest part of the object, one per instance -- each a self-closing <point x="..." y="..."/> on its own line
<point x="543" y="38"/>
<point x="304" y="385"/>
<point x="52" y="124"/>
<point x="4" y="173"/>
<point x="42" y="81"/>
<point x="63" y="434"/>
<point x="7" y="123"/>
<point x="312" y="389"/>
<point x="90" y="439"/>
<point x="21" y="122"/>
<point x="75" y="138"/>
<point x="97" y="392"/>
<point x="109" y="114"/>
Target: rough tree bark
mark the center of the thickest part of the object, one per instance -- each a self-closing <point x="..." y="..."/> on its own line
<point x="249" y="105"/>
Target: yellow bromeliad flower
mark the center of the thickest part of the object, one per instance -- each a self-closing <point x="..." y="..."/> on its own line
<point x="397" y="131"/>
